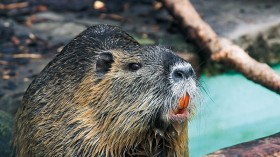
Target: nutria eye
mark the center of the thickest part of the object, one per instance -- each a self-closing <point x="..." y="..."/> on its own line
<point x="134" y="66"/>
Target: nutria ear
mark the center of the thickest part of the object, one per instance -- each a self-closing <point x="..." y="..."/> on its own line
<point x="103" y="63"/>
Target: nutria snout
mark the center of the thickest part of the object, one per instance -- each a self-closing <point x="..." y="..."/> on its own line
<point x="107" y="95"/>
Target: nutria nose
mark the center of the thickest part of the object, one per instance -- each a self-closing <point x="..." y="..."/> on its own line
<point x="182" y="72"/>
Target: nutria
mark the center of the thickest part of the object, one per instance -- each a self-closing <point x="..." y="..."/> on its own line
<point x="107" y="95"/>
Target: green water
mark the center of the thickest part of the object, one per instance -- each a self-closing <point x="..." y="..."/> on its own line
<point x="234" y="110"/>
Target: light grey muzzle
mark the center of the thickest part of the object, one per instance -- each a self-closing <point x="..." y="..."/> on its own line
<point x="182" y="72"/>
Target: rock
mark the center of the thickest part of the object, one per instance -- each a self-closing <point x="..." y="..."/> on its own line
<point x="8" y="48"/>
<point x="14" y="88"/>
<point x="254" y="25"/>
<point x="10" y="85"/>
<point x="6" y="122"/>
<point x="142" y="10"/>
<point x="1" y="93"/>
<point x="58" y="31"/>
<point x="10" y="103"/>
<point x="114" y="5"/>
<point x="68" y="5"/>
<point x="49" y="16"/>
<point x="6" y="31"/>
<point x="232" y="19"/>
<point x="264" y="45"/>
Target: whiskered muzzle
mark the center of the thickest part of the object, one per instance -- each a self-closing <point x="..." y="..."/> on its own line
<point x="184" y="93"/>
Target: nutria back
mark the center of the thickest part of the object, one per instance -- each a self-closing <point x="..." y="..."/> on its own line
<point x="107" y="95"/>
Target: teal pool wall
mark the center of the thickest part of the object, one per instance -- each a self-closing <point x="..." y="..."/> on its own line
<point x="234" y="110"/>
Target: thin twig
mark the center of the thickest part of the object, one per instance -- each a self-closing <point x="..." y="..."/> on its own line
<point x="28" y="55"/>
<point x="14" y="5"/>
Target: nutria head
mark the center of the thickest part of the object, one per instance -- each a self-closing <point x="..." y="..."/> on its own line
<point x="107" y="95"/>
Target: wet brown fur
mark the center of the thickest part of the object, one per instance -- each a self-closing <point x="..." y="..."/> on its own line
<point x="72" y="112"/>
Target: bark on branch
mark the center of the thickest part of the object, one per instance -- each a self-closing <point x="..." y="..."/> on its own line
<point x="267" y="146"/>
<point x="221" y="49"/>
<point x="13" y="5"/>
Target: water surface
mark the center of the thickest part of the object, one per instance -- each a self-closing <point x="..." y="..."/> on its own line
<point x="234" y="110"/>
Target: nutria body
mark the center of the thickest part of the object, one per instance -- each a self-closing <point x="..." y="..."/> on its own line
<point x="107" y="95"/>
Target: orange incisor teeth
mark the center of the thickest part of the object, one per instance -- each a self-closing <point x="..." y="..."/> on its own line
<point x="184" y="102"/>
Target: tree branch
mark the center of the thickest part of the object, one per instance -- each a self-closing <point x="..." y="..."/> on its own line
<point x="221" y="49"/>
<point x="267" y="146"/>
